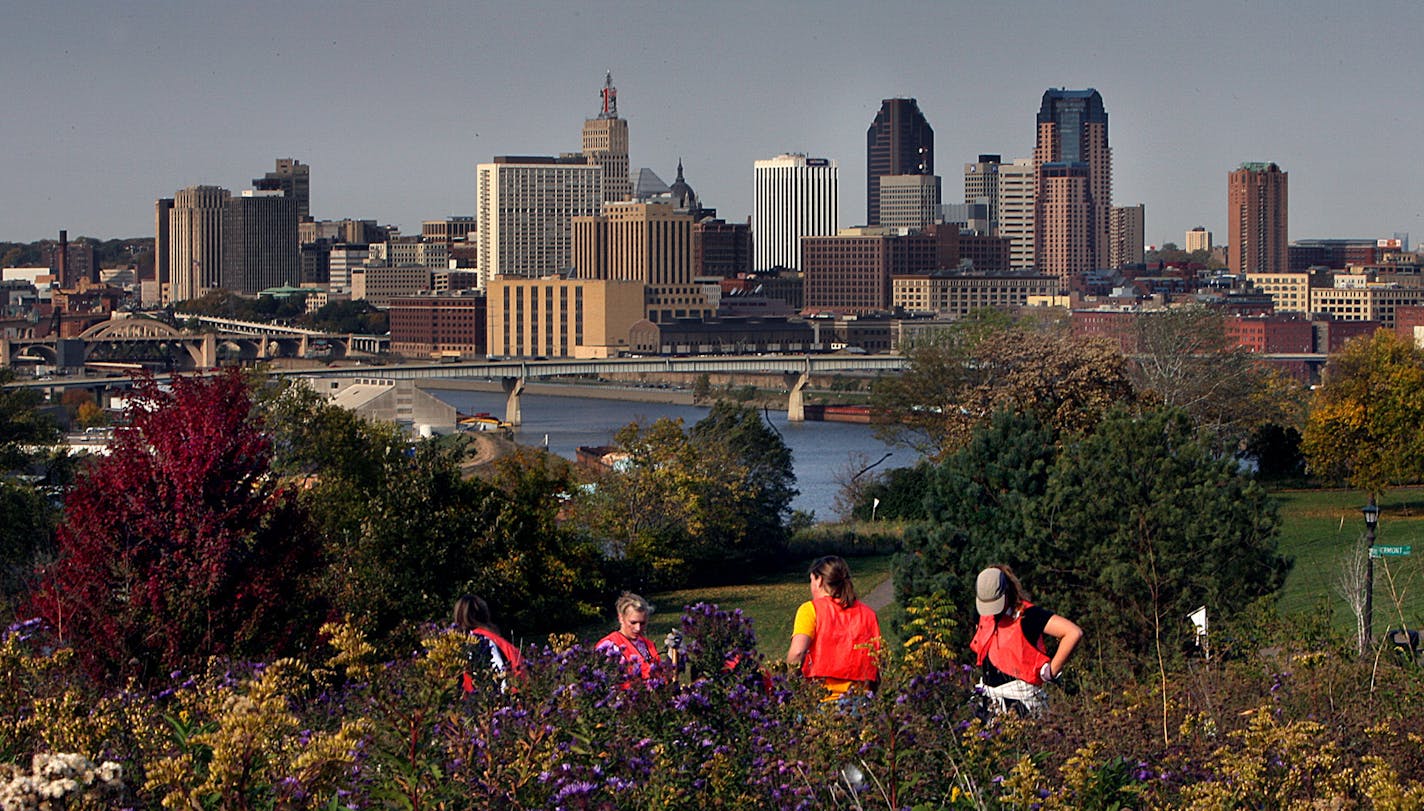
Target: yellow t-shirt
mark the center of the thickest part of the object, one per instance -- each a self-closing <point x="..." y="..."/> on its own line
<point x="806" y="624"/>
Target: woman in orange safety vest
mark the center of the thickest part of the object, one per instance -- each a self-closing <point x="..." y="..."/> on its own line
<point x="640" y="655"/>
<point x="1010" y="645"/>
<point x="836" y="637"/>
<point x="472" y="615"/>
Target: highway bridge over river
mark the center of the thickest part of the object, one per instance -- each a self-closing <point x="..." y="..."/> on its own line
<point x="513" y="375"/>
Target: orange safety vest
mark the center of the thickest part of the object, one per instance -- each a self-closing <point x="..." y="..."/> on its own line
<point x="631" y="655"/>
<point x="1005" y="645"/>
<point x="837" y="650"/>
<point x="513" y="661"/>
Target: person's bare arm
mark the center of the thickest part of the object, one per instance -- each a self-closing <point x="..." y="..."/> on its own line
<point x="800" y="643"/>
<point x="1068" y="635"/>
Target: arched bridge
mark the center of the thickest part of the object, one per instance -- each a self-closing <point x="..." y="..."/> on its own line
<point x="156" y="342"/>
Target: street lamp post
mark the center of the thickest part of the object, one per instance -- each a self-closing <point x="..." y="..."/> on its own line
<point x="1371" y="521"/>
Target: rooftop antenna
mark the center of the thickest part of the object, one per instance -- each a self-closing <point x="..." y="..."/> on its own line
<point x="609" y="93"/>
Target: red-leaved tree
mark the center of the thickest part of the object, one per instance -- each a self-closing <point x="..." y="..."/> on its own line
<point x="180" y="544"/>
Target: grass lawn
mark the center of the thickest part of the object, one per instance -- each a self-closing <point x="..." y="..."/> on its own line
<point x="1319" y="526"/>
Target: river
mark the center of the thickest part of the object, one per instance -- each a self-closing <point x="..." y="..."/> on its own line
<point x="820" y="451"/>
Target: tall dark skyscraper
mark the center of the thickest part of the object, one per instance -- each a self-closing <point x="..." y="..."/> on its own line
<point x="1073" y="165"/>
<point x="899" y="142"/>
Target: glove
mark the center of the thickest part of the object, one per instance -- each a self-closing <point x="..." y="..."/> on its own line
<point x="1046" y="673"/>
<point x="673" y="641"/>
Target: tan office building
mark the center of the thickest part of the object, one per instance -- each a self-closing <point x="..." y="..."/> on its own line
<point x="649" y="243"/>
<point x="557" y="317"/>
<point x="605" y="144"/>
<point x="958" y="295"/>
<point x="909" y="201"/>
<point x="195" y="228"/>
<point x="1372" y="303"/>
<point x="1198" y="239"/>
<point x="1017" y="195"/>
<point x="1289" y="291"/>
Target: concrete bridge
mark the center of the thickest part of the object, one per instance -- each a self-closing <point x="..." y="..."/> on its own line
<point x="514" y="374"/>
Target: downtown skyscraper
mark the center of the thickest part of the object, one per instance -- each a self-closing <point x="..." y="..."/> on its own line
<point x="605" y="144"/>
<point x="1073" y="184"/>
<point x="899" y="142"/>
<point x="1256" y="216"/>
<point x="795" y="197"/>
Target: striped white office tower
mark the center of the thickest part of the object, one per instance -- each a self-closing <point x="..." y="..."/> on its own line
<point x="795" y="197"/>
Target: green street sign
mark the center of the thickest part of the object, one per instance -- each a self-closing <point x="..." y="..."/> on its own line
<point x="1390" y="551"/>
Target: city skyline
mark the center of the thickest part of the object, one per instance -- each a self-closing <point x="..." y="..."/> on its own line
<point x="108" y="116"/>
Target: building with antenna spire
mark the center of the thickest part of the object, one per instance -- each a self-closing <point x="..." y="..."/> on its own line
<point x="605" y="144"/>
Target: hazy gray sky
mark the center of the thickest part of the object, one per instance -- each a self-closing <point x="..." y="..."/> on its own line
<point x="109" y="106"/>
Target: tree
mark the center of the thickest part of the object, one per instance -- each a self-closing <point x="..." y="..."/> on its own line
<point x="1124" y="530"/>
<point x="405" y="532"/>
<point x="1184" y="361"/>
<point x="760" y="457"/>
<point x="27" y="458"/>
<point x="1144" y="523"/>
<point x="179" y="545"/>
<point x="957" y="379"/>
<point x="680" y="505"/>
<point x="702" y="388"/>
<point x="1365" y="418"/>
<point x="981" y="507"/>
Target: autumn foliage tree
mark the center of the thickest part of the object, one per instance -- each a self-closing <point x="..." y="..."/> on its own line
<point x="682" y="503"/>
<point x="179" y="545"/>
<point x="958" y="378"/>
<point x="1365" y="418"/>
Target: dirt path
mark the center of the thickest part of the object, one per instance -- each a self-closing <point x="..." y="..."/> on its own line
<point x="882" y="595"/>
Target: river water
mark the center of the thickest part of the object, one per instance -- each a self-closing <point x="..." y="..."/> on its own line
<point x="820" y="451"/>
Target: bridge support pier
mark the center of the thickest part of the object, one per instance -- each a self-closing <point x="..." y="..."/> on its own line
<point x="208" y="352"/>
<point x="513" y="387"/>
<point x="796" y="403"/>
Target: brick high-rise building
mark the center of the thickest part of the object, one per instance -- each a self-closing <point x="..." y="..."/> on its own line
<point x="605" y="144"/>
<point x="1198" y="239"/>
<point x="1256" y="215"/>
<point x="850" y="273"/>
<point x="1073" y="164"/>
<point x="899" y="142"/>
<point x="427" y="326"/>
<point x="721" y="248"/>
<point x="795" y="197"/>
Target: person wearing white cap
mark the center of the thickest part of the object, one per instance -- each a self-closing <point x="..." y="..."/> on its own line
<point x="1010" y="643"/>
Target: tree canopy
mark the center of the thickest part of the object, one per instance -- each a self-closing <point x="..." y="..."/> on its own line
<point x="1365" y="418"/>
<point x="1124" y="529"/>
<point x="1183" y="360"/>
<point x="957" y="378"/>
<point x="179" y="545"/>
<point x="681" y="504"/>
